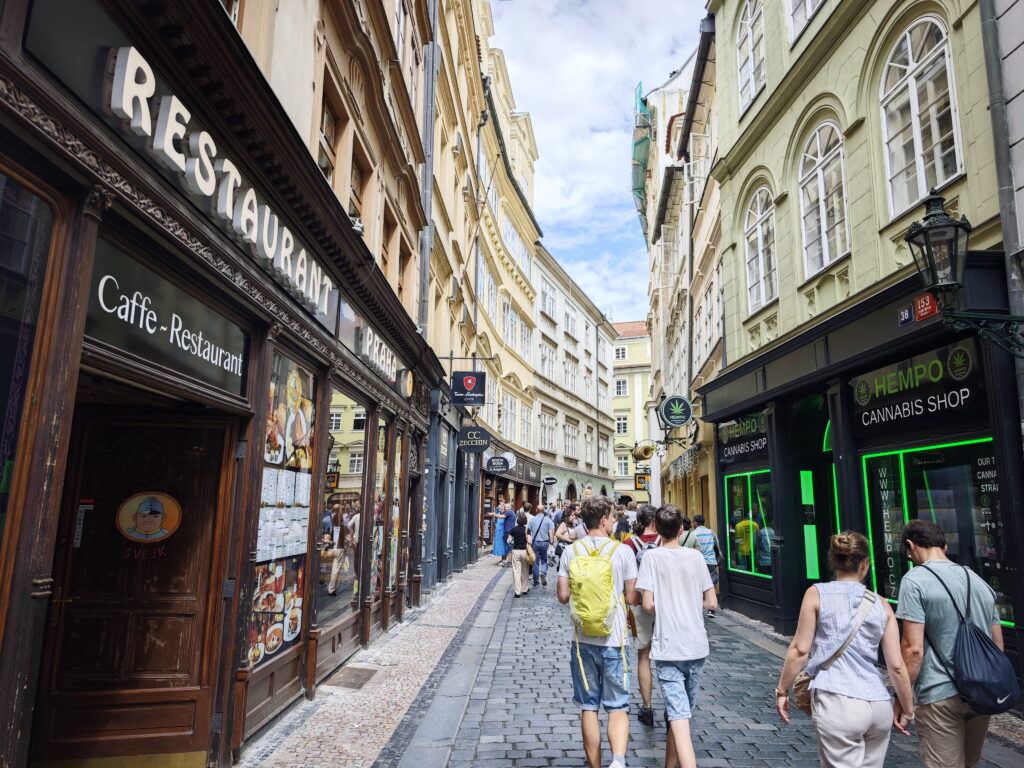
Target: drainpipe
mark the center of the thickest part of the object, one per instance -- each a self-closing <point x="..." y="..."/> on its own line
<point x="476" y="240"/>
<point x="431" y="65"/>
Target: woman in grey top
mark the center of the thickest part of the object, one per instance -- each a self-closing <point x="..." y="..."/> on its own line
<point x="850" y="705"/>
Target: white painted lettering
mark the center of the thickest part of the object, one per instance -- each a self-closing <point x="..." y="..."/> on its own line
<point x="245" y="222"/>
<point x="200" y="177"/>
<point x="171" y="124"/>
<point x="230" y="181"/>
<point x="133" y="86"/>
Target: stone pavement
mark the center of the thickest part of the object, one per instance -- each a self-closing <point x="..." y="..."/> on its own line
<point x="477" y="679"/>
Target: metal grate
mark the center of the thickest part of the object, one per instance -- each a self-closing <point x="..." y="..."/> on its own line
<point x="352" y="677"/>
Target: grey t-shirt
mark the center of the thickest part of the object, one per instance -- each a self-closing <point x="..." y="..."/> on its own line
<point x="923" y="600"/>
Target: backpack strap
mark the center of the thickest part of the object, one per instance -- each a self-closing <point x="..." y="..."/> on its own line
<point x="947" y="666"/>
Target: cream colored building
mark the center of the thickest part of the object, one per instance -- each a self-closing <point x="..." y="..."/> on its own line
<point x="631" y="380"/>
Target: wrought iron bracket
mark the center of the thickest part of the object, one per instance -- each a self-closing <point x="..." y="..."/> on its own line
<point x="1005" y="331"/>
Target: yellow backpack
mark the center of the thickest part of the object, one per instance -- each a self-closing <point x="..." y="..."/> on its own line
<point x="594" y="603"/>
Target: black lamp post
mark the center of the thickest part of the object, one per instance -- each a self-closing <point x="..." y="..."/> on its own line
<point x="939" y="247"/>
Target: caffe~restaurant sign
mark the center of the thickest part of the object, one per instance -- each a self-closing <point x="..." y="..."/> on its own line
<point x="191" y="154"/>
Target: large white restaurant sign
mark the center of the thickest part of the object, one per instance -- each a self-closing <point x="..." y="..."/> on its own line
<point x="192" y="156"/>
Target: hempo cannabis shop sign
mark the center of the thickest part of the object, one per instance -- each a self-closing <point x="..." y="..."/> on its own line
<point x="946" y="383"/>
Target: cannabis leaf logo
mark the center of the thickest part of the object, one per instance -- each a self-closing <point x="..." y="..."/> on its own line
<point x="959" y="364"/>
<point x="676" y="408"/>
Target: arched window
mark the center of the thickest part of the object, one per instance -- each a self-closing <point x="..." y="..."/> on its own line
<point x="760" y="234"/>
<point x="823" y="199"/>
<point x="919" y="114"/>
<point x="750" y="51"/>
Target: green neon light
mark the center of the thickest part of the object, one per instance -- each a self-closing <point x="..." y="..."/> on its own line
<point x="931" y="447"/>
<point x="811" y="552"/>
<point x="806" y="488"/>
<point x="928" y="490"/>
<point x="835" y="496"/>
<point x="826" y="440"/>
<point x="871" y="538"/>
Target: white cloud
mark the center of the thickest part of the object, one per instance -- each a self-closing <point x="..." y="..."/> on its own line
<point x="574" y="66"/>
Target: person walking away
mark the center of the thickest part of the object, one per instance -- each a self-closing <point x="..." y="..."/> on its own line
<point x="596" y="577"/>
<point x="511" y="516"/>
<point x="676" y="589"/>
<point x="949" y="732"/>
<point x="645" y="537"/>
<point x="623" y="527"/>
<point x="841" y="627"/>
<point x="520" y="568"/>
<point x="542" y="535"/>
<point x="707" y="542"/>
<point x="500" y="546"/>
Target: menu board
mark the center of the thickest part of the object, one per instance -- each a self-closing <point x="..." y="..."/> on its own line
<point x="286" y="495"/>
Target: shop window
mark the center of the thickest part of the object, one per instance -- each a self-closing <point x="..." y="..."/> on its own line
<point x="760" y="237"/>
<point x="396" y="513"/>
<point x="380" y="485"/>
<point x="956" y="486"/>
<point x="26" y="223"/>
<point x="338" y="583"/>
<point x="823" y="199"/>
<point x="286" y="495"/>
<point x="919" y="114"/>
<point x="748" y="508"/>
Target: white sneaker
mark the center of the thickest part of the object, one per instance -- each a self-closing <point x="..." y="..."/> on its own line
<point x="616" y="764"/>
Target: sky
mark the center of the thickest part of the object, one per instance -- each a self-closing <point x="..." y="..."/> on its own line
<point x="574" y="66"/>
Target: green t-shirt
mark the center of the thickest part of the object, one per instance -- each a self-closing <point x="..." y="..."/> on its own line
<point x="923" y="600"/>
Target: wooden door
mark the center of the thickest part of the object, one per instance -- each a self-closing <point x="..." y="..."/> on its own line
<point x="130" y="650"/>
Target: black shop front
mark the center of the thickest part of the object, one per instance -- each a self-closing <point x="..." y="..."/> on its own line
<point x="864" y="423"/>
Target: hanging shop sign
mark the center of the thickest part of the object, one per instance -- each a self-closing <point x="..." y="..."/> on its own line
<point x="472" y="439"/>
<point x="641" y="481"/>
<point x="134" y="310"/>
<point x="497" y="465"/>
<point x="743" y="440"/>
<point x="945" y="384"/>
<point x="675" y="411"/>
<point x="469" y="388"/>
<point x="549" y="480"/>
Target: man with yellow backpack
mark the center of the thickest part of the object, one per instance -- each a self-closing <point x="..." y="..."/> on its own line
<point x="596" y="578"/>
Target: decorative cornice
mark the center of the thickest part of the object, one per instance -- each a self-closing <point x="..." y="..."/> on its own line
<point x="93" y="163"/>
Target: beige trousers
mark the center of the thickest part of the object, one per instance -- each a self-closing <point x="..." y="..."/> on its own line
<point x="520" y="572"/>
<point x="950" y="734"/>
<point x="852" y="733"/>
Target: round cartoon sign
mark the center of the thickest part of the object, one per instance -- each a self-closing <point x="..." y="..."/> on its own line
<point x="148" y="517"/>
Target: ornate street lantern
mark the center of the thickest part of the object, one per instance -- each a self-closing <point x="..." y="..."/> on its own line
<point x="939" y="247"/>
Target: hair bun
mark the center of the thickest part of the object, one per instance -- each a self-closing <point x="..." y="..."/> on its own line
<point x="847" y="550"/>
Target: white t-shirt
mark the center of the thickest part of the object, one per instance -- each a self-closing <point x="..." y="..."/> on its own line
<point x="678" y="577"/>
<point x="623" y="569"/>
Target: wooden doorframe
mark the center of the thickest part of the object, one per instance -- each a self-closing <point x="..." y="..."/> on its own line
<point x="214" y="605"/>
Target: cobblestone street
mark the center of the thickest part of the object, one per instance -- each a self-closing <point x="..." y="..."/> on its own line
<point x="479" y="679"/>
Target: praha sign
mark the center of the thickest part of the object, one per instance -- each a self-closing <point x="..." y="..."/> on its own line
<point x="191" y="154"/>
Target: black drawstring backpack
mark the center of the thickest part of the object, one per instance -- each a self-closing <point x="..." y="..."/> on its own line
<point x="981" y="672"/>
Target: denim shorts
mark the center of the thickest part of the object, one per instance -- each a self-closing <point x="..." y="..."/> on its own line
<point x="605" y="678"/>
<point x="679" y="681"/>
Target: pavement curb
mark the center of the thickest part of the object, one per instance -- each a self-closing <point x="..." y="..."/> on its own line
<point x="425" y="736"/>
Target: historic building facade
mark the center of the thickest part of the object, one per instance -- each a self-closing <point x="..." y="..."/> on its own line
<point x="631" y="383"/>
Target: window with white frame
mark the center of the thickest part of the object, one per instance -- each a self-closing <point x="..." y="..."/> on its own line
<point x="602" y="394"/>
<point x="622" y="465"/>
<point x="355" y="462"/>
<point x="547" y="432"/>
<point x="588" y="383"/>
<point x="335" y="425"/>
<point x="570" y="320"/>
<point x="750" y="51"/>
<point x="572" y="441"/>
<point x="525" y="424"/>
<point x="588" y="446"/>
<point x="547" y="297"/>
<point x="823" y="199"/>
<point x="525" y="340"/>
<point x="507" y="322"/>
<point x="492" y="401"/>
<point x="358" y="420"/>
<point x="547" y="360"/>
<point x="492" y="298"/>
<point x="919" y="114"/>
<point x="801" y="12"/>
<point x="621" y="387"/>
<point x="602" y="452"/>
<point x="620" y="353"/>
<point x="760" y="236"/>
<point x="572" y="373"/>
<point x="508" y="417"/>
<point x="621" y="425"/>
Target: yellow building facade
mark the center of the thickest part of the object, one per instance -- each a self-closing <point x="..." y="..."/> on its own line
<point x="631" y="381"/>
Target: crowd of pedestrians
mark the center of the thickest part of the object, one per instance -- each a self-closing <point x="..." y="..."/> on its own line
<point x="649" y="577"/>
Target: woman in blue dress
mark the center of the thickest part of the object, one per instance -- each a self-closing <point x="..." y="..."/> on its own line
<point x="500" y="547"/>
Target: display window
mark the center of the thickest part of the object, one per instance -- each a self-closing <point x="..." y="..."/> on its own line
<point x="396" y="513"/>
<point x="379" y="508"/>
<point x="26" y="225"/>
<point x="748" y="508"/>
<point x="338" y="583"/>
<point x="286" y="495"/>
<point x="956" y="486"/>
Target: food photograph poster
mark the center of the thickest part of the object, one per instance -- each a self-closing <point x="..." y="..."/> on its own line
<point x="286" y="489"/>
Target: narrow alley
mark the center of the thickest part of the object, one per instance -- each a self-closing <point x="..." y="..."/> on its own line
<point x="476" y="679"/>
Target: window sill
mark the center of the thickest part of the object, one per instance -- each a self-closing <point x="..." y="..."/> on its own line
<point x="896" y="216"/>
<point x="811" y="278"/>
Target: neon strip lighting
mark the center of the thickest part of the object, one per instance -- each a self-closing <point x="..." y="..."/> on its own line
<point x="806" y="488"/>
<point x="811" y="551"/>
<point x="835" y="497"/>
<point x="728" y="515"/>
<point x="826" y="442"/>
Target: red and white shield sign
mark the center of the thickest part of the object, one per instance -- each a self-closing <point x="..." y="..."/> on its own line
<point x="469" y="382"/>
